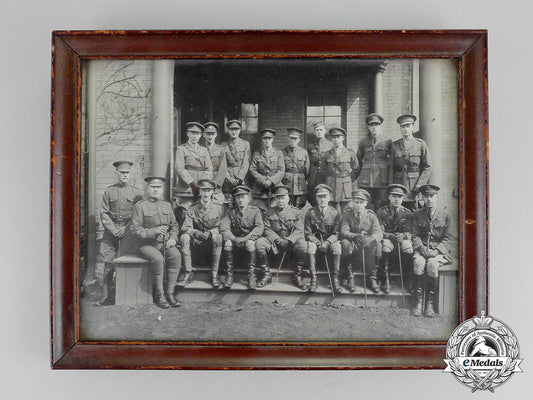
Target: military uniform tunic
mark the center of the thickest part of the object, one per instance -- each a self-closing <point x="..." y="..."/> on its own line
<point x="341" y="171"/>
<point x="266" y="165"/>
<point x="322" y="226"/>
<point x="192" y="164"/>
<point x="116" y="212"/>
<point x="411" y="163"/>
<point x="431" y="232"/>
<point x="393" y="222"/>
<point x="374" y="163"/>
<point x="148" y="215"/>
<point x="238" y="161"/>
<point x="217" y="153"/>
<point x="247" y="225"/>
<point x="203" y="219"/>
<point x="296" y="169"/>
<point x="316" y="158"/>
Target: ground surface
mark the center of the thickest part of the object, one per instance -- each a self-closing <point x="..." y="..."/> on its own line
<point x="208" y="321"/>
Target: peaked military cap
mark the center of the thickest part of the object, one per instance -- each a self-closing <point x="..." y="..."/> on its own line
<point x="118" y="164"/>
<point x="429" y="189"/>
<point x="210" y="124"/>
<point x="373" y="118"/>
<point x="360" y="194"/>
<point x="396" y="188"/>
<point x="233" y="121"/>
<point x="406" y="119"/>
<point x="319" y="123"/>
<point x="152" y="180"/>
<point x="206" y="184"/>
<point x="281" y="190"/>
<point x="194" y="127"/>
<point x="268" y="133"/>
<point x="336" y="131"/>
<point x="294" y="132"/>
<point x="241" y="189"/>
<point x="322" y="189"/>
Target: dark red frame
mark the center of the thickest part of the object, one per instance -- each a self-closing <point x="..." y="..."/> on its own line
<point x="70" y="48"/>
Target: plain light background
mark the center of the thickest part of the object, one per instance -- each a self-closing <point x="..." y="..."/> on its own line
<point x="24" y="124"/>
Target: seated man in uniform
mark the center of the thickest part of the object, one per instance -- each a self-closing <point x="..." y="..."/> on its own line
<point x="321" y="227"/>
<point x="154" y="223"/>
<point x="284" y="232"/>
<point x="240" y="228"/>
<point x="360" y="233"/>
<point x="116" y="212"/>
<point x="201" y="231"/>
<point x="396" y="237"/>
<point x="433" y="244"/>
<point x="267" y="170"/>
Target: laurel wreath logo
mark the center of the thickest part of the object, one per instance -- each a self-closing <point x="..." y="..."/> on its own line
<point x="470" y="377"/>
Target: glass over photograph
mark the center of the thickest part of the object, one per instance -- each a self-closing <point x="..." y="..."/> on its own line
<point x="270" y="200"/>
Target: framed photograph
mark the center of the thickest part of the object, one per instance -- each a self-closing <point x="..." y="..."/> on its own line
<point x="266" y="199"/>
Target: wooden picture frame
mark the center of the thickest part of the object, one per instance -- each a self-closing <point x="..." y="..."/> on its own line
<point x="71" y="48"/>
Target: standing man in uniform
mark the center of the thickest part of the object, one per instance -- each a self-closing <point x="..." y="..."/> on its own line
<point x="240" y="228"/>
<point x="217" y="153"/>
<point x="192" y="164"/>
<point x="341" y="167"/>
<point x="393" y="218"/>
<point x="411" y="160"/>
<point x="267" y="170"/>
<point x="284" y="232"/>
<point x="237" y="158"/>
<point x="116" y="212"/>
<point x="360" y="233"/>
<point x="296" y="168"/>
<point x="322" y="227"/>
<point x="373" y="155"/>
<point x="316" y="159"/>
<point x="154" y="223"/>
<point x="201" y="231"/>
<point x="433" y="244"/>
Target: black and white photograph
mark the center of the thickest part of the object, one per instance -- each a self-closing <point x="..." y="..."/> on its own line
<point x="270" y="200"/>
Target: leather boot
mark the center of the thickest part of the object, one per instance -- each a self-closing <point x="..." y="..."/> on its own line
<point x="252" y="283"/>
<point x="161" y="301"/>
<point x="336" y="284"/>
<point x="419" y="293"/>
<point x="185" y="279"/>
<point x="108" y="292"/>
<point x="373" y="281"/>
<point x="215" y="262"/>
<point x="265" y="270"/>
<point x="430" y="296"/>
<point x="336" y="269"/>
<point x="228" y="282"/>
<point x="172" y="276"/>
<point x="350" y="284"/>
<point x="385" y="280"/>
<point x="298" y="281"/>
<point x="312" y="266"/>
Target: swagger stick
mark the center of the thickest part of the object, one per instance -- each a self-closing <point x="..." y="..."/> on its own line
<point x="327" y="267"/>
<point x="401" y="273"/>
<point x="283" y="256"/>
<point x="364" y="271"/>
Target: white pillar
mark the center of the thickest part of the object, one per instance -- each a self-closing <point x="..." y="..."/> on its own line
<point x="161" y="123"/>
<point x="378" y="90"/>
<point x="430" y="114"/>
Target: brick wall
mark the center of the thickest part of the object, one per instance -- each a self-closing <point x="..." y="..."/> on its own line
<point x="358" y="95"/>
<point x="122" y="128"/>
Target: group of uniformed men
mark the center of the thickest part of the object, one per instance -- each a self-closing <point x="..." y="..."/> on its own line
<point x="228" y="202"/>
